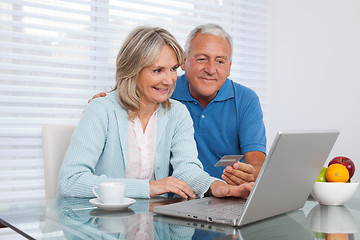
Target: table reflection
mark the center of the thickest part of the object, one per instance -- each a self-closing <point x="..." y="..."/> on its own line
<point x="111" y="221"/>
<point x="289" y="226"/>
<point x="332" y="222"/>
<point x="80" y="220"/>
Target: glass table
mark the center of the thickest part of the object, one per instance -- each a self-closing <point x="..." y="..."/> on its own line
<point x="76" y="218"/>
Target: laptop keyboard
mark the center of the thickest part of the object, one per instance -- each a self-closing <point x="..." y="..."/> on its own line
<point x="232" y="209"/>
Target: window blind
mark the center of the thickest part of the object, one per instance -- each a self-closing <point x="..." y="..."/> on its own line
<point x="56" y="54"/>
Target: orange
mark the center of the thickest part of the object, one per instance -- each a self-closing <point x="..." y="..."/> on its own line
<point x="337" y="173"/>
<point x="336" y="236"/>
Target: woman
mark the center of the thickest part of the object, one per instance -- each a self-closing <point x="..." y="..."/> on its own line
<point x="136" y="135"/>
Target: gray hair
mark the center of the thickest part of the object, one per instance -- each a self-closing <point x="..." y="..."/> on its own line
<point x="210" y="28"/>
<point x="141" y="49"/>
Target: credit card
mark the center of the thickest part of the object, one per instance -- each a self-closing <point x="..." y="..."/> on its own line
<point x="228" y="160"/>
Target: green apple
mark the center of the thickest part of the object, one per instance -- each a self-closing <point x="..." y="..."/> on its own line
<point x="318" y="235"/>
<point x="321" y="177"/>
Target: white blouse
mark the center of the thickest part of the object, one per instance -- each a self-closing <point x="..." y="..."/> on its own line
<point x="141" y="149"/>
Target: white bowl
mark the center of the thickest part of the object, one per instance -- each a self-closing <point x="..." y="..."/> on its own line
<point x="333" y="193"/>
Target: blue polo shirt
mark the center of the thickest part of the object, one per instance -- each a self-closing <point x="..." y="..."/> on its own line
<point x="232" y="123"/>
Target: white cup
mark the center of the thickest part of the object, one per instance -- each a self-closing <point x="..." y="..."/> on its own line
<point x="110" y="192"/>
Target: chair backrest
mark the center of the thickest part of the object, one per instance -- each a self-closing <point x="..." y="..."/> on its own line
<point x="56" y="139"/>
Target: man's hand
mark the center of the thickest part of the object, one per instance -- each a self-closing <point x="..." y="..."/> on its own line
<point x="102" y="94"/>
<point x="221" y="189"/>
<point x="241" y="173"/>
<point x="171" y="184"/>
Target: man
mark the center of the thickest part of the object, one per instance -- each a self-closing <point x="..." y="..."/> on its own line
<point x="227" y="116"/>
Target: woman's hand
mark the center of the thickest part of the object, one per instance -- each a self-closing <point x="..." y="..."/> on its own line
<point x="171" y="184"/>
<point x="221" y="189"/>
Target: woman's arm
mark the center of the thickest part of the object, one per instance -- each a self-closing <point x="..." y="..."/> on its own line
<point x="222" y="189"/>
<point x="95" y="156"/>
<point x="184" y="153"/>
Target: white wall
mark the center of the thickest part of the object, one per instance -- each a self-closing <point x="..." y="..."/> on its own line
<point x="314" y="70"/>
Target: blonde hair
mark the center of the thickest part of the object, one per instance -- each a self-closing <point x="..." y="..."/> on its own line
<point x="141" y="48"/>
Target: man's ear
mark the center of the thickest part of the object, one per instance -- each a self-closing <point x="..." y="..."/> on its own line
<point x="183" y="65"/>
<point x="229" y="68"/>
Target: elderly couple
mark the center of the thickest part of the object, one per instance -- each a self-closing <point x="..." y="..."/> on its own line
<point x="139" y="136"/>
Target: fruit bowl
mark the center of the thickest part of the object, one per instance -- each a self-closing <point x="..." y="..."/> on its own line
<point x="334" y="193"/>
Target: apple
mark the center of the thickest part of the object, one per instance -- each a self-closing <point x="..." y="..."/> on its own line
<point x="322" y="177"/>
<point x="347" y="162"/>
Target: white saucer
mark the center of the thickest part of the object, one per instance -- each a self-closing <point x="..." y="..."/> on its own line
<point x="126" y="203"/>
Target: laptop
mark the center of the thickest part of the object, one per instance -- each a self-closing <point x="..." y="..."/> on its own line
<point x="292" y="225"/>
<point x="284" y="183"/>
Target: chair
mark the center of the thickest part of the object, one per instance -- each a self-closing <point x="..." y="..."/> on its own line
<point x="56" y="139"/>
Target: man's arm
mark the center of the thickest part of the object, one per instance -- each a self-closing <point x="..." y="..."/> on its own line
<point x="244" y="172"/>
<point x="256" y="159"/>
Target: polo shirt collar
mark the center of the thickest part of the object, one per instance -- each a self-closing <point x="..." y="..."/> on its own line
<point x="181" y="92"/>
<point x="226" y="91"/>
